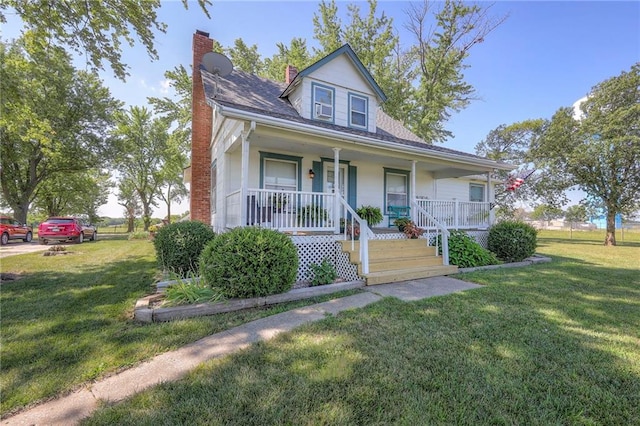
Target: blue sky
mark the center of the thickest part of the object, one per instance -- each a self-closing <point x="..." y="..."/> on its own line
<point x="545" y="56"/>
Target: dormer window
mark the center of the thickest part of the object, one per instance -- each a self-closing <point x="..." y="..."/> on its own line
<point x="323" y="99"/>
<point x="358" y="107"/>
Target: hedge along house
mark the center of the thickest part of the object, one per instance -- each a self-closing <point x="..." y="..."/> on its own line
<point x="301" y="156"/>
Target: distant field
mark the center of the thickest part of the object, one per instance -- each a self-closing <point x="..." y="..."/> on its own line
<point x="598" y="235"/>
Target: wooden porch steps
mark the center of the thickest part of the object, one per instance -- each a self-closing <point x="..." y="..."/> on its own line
<point x="398" y="260"/>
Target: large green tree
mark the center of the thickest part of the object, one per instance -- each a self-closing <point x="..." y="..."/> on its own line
<point x="177" y="112"/>
<point x="598" y="149"/>
<point x="372" y="37"/>
<point x="54" y="119"/>
<point x="76" y="193"/>
<point x="440" y="50"/>
<point x="510" y="144"/>
<point x="142" y="142"/>
<point x="94" y="29"/>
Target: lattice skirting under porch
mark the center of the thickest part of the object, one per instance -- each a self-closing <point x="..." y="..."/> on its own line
<point x="481" y="237"/>
<point x="316" y="248"/>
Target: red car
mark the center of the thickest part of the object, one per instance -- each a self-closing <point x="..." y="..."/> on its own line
<point x="64" y="229"/>
<point x="11" y="229"/>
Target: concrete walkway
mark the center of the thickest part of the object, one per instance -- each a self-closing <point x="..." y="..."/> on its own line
<point x="173" y="365"/>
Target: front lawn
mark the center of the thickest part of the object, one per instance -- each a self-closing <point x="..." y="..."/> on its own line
<point x="555" y="343"/>
<point x="68" y="320"/>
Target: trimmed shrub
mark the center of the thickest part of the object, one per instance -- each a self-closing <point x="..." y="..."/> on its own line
<point x="178" y="246"/>
<point x="250" y="262"/>
<point x="465" y="252"/>
<point x="513" y="241"/>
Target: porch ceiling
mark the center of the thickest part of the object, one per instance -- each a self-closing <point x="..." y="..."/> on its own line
<point x="265" y="138"/>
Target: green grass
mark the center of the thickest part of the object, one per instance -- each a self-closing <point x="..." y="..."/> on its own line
<point x="555" y="343"/>
<point x="69" y="319"/>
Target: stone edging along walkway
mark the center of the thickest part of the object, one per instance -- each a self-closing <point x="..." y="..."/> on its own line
<point x="145" y="312"/>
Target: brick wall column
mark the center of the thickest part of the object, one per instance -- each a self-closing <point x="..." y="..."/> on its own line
<point x="201" y="128"/>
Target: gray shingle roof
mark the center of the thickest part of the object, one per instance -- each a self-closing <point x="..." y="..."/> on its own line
<point x="250" y="93"/>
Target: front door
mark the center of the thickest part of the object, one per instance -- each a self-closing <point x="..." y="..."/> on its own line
<point x="330" y="178"/>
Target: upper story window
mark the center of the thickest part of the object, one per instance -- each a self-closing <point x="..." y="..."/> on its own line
<point x="323" y="101"/>
<point x="358" y="107"/>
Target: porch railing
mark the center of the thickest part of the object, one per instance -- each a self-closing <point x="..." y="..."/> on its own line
<point x="290" y="210"/>
<point x="354" y="228"/>
<point x="458" y="214"/>
<point x="437" y="232"/>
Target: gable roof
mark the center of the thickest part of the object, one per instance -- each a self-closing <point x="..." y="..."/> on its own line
<point x="344" y="50"/>
<point x="248" y="93"/>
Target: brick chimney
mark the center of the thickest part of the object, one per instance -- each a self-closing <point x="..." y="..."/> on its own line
<point x="201" y="123"/>
<point x="290" y="73"/>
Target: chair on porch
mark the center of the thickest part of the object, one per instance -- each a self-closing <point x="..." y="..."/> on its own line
<point x="397" y="212"/>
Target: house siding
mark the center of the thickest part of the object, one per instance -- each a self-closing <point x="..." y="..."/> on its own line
<point x="341" y="75"/>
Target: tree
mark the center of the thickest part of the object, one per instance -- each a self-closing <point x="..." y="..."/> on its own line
<point x="177" y="109"/>
<point x="296" y="54"/>
<point x="142" y="142"/>
<point x="327" y="29"/>
<point x="576" y="213"/>
<point x="53" y="119"/>
<point x="599" y="151"/>
<point x="546" y="212"/>
<point x="94" y="29"/>
<point x="510" y="144"/>
<point x="171" y="174"/>
<point x="245" y="58"/>
<point x="440" y="53"/>
<point x="76" y="193"/>
<point x="372" y="38"/>
<point x="177" y="113"/>
<point x="128" y="198"/>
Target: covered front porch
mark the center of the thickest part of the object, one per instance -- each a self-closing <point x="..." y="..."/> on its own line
<point x="305" y="184"/>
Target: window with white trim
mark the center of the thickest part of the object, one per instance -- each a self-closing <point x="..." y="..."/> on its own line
<point x="322" y="103"/>
<point x="396" y="189"/>
<point x="476" y="192"/>
<point x="358" y="106"/>
<point x="280" y="175"/>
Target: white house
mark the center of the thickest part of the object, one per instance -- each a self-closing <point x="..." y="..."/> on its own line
<point x="303" y="155"/>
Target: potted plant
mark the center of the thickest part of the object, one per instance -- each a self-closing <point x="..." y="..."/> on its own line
<point x="373" y="215"/>
<point x="354" y="230"/>
<point x="401" y="222"/>
<point x="312" y="215"/>
<point x="411" y="230"/>
<point x="342" y="223"/>
<point x="278" y="202"/>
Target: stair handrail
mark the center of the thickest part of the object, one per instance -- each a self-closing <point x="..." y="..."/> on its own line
<point x="441" y="227"/>
<point x="365" y="233"/>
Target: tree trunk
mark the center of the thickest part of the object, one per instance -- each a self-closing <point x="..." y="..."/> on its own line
<point x="610" y="239"/>
<point x="20" y="211"/>
<point x="169" y="204"/>
<point x="130" y="224"/>
<point x="146" y="214"/>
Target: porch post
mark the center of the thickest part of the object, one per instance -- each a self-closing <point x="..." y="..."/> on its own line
<point x="412" y="191"/>
<point x="337" y="190"/>
<point x="244" y="179"/>
<point x="490" y="199"/>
